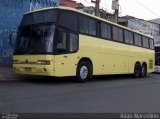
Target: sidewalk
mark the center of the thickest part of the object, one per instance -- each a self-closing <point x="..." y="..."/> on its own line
<point x="6" y="73"/>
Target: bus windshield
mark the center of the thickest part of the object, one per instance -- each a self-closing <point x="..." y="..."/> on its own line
<point x="36" y="39"/>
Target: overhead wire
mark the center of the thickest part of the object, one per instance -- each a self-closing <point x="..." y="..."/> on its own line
<point x="87" y="2"/>
<point x="142" y="5"/>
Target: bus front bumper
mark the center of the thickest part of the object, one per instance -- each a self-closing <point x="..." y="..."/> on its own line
<point x="44" y="70"/>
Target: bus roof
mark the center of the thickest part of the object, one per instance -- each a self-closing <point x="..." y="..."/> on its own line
<point x="90" y="15"/>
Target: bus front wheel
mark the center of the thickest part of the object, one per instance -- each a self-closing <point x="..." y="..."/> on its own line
<point x="83" y="71"/>
<point x="137" y="70"/>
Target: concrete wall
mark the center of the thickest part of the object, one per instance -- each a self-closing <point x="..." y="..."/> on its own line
<point x="11" y="12"/>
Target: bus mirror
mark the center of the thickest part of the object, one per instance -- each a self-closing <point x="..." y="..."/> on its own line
<point x="12" y="37"/>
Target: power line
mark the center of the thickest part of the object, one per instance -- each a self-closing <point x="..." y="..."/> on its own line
<point x="147" y="8"/>
<point x="87" y="2"/>
<point x="125" y="7"/>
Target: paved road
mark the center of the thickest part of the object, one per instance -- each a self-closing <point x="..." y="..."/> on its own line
<point x="103" y="94"/>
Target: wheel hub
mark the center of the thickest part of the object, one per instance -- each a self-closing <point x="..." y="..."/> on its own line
<point x="83" y="72"/>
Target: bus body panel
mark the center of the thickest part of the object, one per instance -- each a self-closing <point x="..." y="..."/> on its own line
<point x="66" y="64"/>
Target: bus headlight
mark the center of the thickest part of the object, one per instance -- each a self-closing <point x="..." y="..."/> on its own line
<point x="43" y="62"/>
<point x="16" y="62"/>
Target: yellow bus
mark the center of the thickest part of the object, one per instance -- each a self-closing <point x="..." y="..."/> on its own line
<point x="64" y="42"/>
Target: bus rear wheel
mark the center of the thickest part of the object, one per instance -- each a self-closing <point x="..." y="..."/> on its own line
<point x="137" y="70"/>
<point x="83" y="71"/>
<point x="143" y="70"/>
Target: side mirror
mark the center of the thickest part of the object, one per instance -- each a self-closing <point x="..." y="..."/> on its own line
<point x="12" y="37"/>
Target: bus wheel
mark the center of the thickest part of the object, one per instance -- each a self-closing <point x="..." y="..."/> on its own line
<point x="143" y="70"/>
<point x="137" y="70"/>
<point x="83" y="71"/>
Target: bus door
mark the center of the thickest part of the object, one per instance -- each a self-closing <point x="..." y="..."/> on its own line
<point x="66" y="48"/>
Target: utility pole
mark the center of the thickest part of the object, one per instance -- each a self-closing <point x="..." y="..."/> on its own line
<point x="116" y="15"/>
<point x="115" y="6"/>
<point x="97" y="3"/>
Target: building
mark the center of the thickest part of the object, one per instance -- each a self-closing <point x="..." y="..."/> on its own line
<point x="68" y="3"/>
<point x="143" y="26"/>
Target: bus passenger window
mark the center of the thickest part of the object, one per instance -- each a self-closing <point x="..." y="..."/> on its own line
<point x="120" y="35"/>
<point x="68" y="20"/>
<point x="131" y="37"/>
<point x="117" y="34"/>
<point x="137" y="40"/>
<point x="151" y="43"/>
<point x="73" y="43"/>
<point x="105" y="31"/>
<point x="128" y="37"/>
<point x="145" y="42"/>
<point x="92" y="27"/>
<point x="62" y="42"/>
<point x="83" y="24"/>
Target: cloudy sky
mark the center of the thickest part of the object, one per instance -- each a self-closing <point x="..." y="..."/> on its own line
<point x="143" y="9"/>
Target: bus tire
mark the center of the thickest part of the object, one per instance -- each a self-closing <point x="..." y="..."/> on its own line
<point x="137" y="70"/>
<point x="143" y="70"/>
<point x="83" y="72"/>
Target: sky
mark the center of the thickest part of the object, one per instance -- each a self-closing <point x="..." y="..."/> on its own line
<point x="143" y="9"/>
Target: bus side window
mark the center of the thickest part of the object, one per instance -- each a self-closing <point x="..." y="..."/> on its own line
<point x="131" y="38"/>
<point x="67" y="42"/>
<point x="62" y="42"/>
<point x="83" y="24"/>
<point x="145" y="42"/>
<point x="117" y="34"/>
<point x="105" y="30"/>
<point x="68" y="20"/>
<point x="73" y="43"/>
<point x="98" y="28"/>
<point x="137" y="39"/>
<point x="128" y="36"/>
<point x="151" y="43"/>
<point x="92" y="27"/>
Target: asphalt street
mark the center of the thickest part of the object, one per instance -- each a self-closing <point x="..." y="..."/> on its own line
<point x="104" y="94"/>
